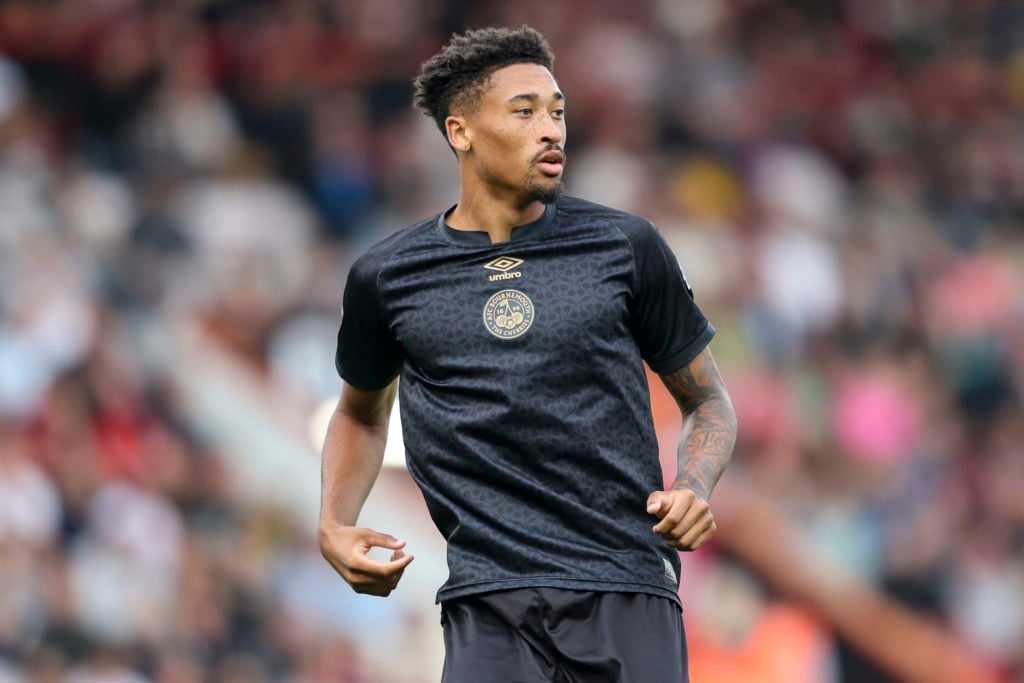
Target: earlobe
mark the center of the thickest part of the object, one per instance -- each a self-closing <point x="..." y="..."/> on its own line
<point x="459" y="136"/>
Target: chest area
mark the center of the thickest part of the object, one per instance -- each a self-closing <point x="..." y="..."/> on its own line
<point x="553" y="296"/>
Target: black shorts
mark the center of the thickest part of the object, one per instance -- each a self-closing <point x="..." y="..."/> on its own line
<point x="530" y="635"/>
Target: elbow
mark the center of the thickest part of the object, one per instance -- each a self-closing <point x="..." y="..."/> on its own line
<point x="718" y="404"/>
<point x="730" y="412"/>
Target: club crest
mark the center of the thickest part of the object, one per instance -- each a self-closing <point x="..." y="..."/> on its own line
<point x="508" y="314"/>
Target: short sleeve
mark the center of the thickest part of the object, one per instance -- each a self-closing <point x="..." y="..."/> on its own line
<point x="669" y="328"/>
<point x="368" y="356"/>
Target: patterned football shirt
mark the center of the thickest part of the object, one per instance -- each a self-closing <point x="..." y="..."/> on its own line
<point x="524" y="402"/>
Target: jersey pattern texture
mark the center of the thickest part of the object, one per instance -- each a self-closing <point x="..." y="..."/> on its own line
<point x="524" y="401"/>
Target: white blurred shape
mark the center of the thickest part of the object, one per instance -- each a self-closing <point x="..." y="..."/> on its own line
<point x="800" y="280"/>
<point x="799" y="186"/>
<point x="609" y="176"/>
<point x="988" y="607"/>
<point x="143" y="525"/>
<point x="124" y="573"/>
<point x="30" y="508"/>
<point x="25" y="375"/>
<point x="99" y="207"/>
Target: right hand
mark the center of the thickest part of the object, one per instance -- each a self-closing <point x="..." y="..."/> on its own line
<point x="345" y="548"/>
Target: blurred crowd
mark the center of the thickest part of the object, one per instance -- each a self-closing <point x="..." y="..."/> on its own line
<point x="842" y="180"/>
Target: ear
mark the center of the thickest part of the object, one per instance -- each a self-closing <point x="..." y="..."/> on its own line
<point x="459" y="135"/>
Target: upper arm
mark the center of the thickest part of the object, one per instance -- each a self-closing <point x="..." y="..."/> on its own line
<point x="367" y="407"/>
<point x="368" y="355"/>
<point x="668" y="326"/>
<point x="696" y="382"/>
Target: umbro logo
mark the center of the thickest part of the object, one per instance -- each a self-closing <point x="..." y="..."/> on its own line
<point x="503" y="264"/>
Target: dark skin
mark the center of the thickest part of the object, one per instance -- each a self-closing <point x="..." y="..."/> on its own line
<point x="509" y="148"/>
<point x="501" y="143"/>
<point x="353" y="453"/>
<point x="705" y="447"/>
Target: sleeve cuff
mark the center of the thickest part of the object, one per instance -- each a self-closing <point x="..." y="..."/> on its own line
<point x="673" y="361"/>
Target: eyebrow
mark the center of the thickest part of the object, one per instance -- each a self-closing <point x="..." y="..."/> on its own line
<point x="533" y="97"/>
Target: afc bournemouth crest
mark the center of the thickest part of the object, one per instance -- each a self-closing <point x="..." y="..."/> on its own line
<point x="508" y="314"/>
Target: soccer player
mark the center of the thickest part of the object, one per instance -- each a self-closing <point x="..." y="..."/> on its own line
<point x="518" y="321"/>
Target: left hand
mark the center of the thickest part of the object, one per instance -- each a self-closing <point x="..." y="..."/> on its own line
<point x="686" y="519"/>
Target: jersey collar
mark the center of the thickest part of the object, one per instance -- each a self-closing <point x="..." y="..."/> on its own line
<point x="481" y="238"/>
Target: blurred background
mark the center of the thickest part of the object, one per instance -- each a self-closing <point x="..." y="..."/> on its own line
<point x="184" y="184"/>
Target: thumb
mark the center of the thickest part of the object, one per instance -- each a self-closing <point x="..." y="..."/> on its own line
<point x="655" y="502"/>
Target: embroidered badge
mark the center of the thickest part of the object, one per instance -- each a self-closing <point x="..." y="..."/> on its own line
<point x="508" y="314"/>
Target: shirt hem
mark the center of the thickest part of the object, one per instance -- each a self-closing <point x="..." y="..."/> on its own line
<point x="553" y="582"/>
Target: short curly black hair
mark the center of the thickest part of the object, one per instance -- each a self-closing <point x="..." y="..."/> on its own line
<point x="457" y="76"/>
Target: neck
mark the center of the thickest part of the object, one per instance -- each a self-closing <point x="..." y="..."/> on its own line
<point x="493" y="215"/>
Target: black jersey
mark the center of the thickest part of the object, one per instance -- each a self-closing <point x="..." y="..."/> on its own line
<point x="524" y="402"/>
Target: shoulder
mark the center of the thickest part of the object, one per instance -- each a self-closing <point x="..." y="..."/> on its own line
<point x="409" y="239"/>
<point x="648" y="250"/>
<point x="632" y="226"/>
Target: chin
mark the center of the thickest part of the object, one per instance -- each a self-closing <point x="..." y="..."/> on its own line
<point x="546" y="193"/>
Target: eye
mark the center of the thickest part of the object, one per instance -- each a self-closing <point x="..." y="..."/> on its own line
<point x="558" y="113"/>
<point x="525" y="111"/>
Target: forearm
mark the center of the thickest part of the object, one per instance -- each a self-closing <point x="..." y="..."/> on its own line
<point x="353" y="453"/>
<point x="709" y="424"/>
<point x="352" y="456"/>
<point x="705" y="446"/>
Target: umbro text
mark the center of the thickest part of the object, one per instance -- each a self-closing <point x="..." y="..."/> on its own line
<point x="505" y="276"/>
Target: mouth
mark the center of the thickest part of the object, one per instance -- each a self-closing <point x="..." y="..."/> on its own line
<point x="551" y="163"/>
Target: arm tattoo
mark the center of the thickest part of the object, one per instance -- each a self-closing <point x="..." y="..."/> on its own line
<point x="709" y="424"/>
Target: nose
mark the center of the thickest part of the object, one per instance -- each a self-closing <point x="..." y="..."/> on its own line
<point x="553" y="131"/>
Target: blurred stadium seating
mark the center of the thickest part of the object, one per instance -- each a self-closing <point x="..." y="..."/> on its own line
<point x="184" y="184"/>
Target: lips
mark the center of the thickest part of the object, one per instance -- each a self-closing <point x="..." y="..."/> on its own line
<point x="551" y="162"/>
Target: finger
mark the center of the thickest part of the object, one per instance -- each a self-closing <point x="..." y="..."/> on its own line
<point x="366" y="567"/>
<point x="696" y="532"/>
<point x="382" y="585"/>
<point x="397" y="565"/>
<point x="672" y="517"/>
<point x="401" y="570"/>
<point x="703" y="538"/>
<point x="655" y="502"/>
<point x="375" y="539"/>
<point x="696" y="520"/>
<point x="697" y="517"/>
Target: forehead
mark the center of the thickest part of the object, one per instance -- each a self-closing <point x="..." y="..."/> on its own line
<point x="518" y="79"/>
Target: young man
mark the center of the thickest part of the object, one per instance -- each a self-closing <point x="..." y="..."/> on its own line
<point x="518" y="321"/>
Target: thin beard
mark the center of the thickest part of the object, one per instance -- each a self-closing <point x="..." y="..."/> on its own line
<point x="546" y="194"/>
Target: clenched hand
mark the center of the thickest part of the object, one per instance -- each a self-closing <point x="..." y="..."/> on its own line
<point x="686" y="520"/>
<point x="345" y="548"/>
